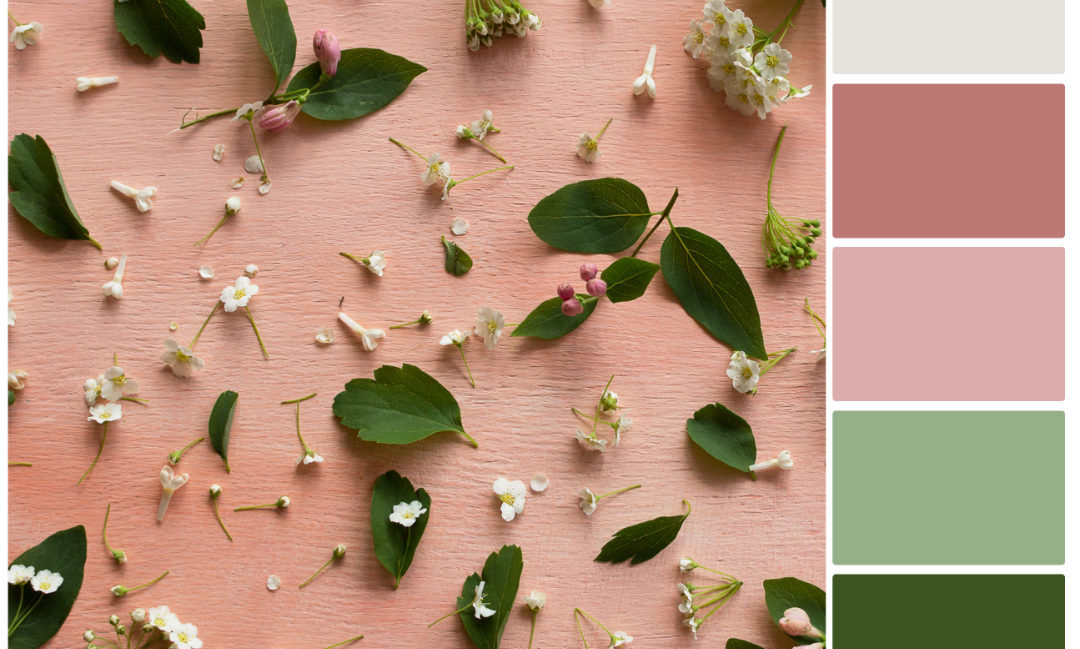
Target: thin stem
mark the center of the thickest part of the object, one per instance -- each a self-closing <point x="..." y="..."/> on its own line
<point x="22" y="587"/>
<point x="134" y="399"/>
<point x="786" y="22"/>
<point x="462" y="350"/>
<point x="220" y="223"/>
<point x="221" y="522"/>
<point x="604" y="129"/>
<point x="19" y="621"/>
<point x="719" y="601"/>
<point x="600" y="402"/>
<point x="257" y="335"/>
<point x="317" y="572"/>
<point x="240" y="509"/>
<point x="183" y="450"/>
<point x="359" y="637"/>
<point x="20" y="463"/>
<point x="598" y="623"/>
<point x="403" y="325"/>
<point x="17" y="23"/>
<point x="409" y="148"/>
<point x="594" y="419"/>
<point x="105" y="526"/>
<point x="492" y="149"/>
<point x="354" y="257"/>
<point x="266" y="174"/>
<point x="205" y="322"/>
<point x="449" y="614"/>
<point x="532" y="630"/>
<point x="482" y="173"/>
<point x="149" y="583"/>
<point x="619" y="491"/>
<point x="298" y="434"/>
<point x="104" y="433"/>
<point x="815" y="318"/>
<point x="772" y="168"/>
<point x="193" y="122"/>
<point x="300" y="399"/>
<point x="577" y="620"/>
<point x="663" y="215"/>
<point x="96" y="244"/>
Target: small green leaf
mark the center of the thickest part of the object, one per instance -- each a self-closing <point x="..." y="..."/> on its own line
<point x="601" y="215"/>
<point x="396" y="544"/>
<point x="366" y="80"/>
<point x="10" y="397"/>
<point x="789" y="592"/>
<point x="169" y="27"/>
<point x="643" y="541"/>
<point x="735" y="643"/>
<point x="501" y="577"/>
<point x="221" y="424"/>
<point x="40" y="195"/>
<point x="274" y="29"/>
<point x="400" y="406"/>
<point x="628" y="278"/>
<point x="548" y="322"/>
<point x="723" y="435"/>
<point x="458" y="262"/>
<point x="712" y="289"/>
<point x="64" y="552"/>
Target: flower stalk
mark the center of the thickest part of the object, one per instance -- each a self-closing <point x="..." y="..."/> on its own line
<point x="120" y="590"/>
<point x="118" y="555"/>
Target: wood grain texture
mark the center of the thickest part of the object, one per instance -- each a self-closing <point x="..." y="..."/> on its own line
<point x="343" y="186"/>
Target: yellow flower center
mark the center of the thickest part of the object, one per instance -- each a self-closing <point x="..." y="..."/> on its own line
<point x="699" y="37"/>
<point x="725" y="42"/>
<point x="747" y="373"/>
<point x="406" y="514"/>
<point x="492" y="326"/>
<point x="239" y="294"/>
<point x="507" y="498"/>
<point x="182" y="357"/>
<point x="719" y="20"/>
<point x="45" y="584"/>
<point x="729" y="68"/>
<point x="182" y="637"/>
<point x="772" y="61"/>
<point x="740" y="29"/>
<point x="159" y="621"/>
<point x="591" y="145"/>
<point x="120" y="380"/>
<point x="434" y="168"/>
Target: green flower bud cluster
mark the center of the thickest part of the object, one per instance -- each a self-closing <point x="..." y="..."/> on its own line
<point x="787" y="243"/>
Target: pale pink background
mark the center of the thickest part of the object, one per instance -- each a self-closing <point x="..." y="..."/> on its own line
<point x="919" y="324"/>
<point x="343" y="186"/>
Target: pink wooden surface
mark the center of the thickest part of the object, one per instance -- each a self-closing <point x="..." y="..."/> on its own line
<point x="342" y="186"/>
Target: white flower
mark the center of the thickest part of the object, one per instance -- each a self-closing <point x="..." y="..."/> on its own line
<point x="283" y="502"/>
<point x="28" y="34"/>
<point x="309" y="458"/>
<point x="92" y="389"/>
<point x="117" y="384"/>
<point x="489" y="324"/>
<point x="693" y="623"/>
<point x="686" y="564"/>
<point x="114" y="288"/>
<point x="621" y="638"/>
<point x="481" y="126"/>
<point x="160" y="617"/>
<point x="273" y="582"/>
<point x="219" y="153"/>
<point x="820" y="353"/>
<point x="11" y="310"/>
<point x="253" y="165"/>
<point x="232" y="205"/>
<point x="590" y="441"/>
<point x="455" y="337"/>
<point x="238" y="295"/>
<point x="588" y="501"/>
<point x="782" y="461"/>
<point x="694" y="42"/>
<point x="772" y="61"/>
<point x="82" y="84"/>
<point x="142" y="196"/>
<point x="512" y="495"/>
<point x="184" y="636"/>
<point x="539" y="482"/>
<point x="16" y="380"/>
<point x="138" y="615"/>
<point x="479" y="609"/>
<point x="599" y="3"/>
<point x="104" y="412"/>
<point x="243" y="112"/>
<point x="206" y="271"/>
<point x="459" y="226"/>
<point x="609" y="402"/>
<point x="760" y="99"/>
<point x="367" y="336"/>
<point x="714" y="13"/>
<point x="324" y="336"/>
<point x="46" y="582"/>
<point x="645" y="81"/>
<point x="622" y="426"/>
<point x="587" y="148"/>
<point x="686" y="606"/>
<point x="743" y="372"/>
<point x="405" y="514"/>
<point x="375" y="262"/>
<point x="180" y="359"/>
<point x="88" y="636"/>
<point x="536" y="600"/>
<point x="170" y="482"/>
<point x="435" y="170"/>
<point x="19" y="575"/>
<point x="796" y="93"/>
<point x="740" y="28"/>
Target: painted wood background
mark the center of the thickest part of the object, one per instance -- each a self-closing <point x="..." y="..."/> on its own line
<point x="343" y="186"/>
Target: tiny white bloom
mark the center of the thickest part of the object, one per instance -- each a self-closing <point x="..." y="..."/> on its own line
<point x="479" y="608"/>
<point x="92" y="389"/>
<point x="206" y="271"/>
<point x="367" y="336"/>
<point x="489" y="324"/>
<point x="10" y="309"/>
<point x="46" y="581"/>
<point x="185" y="636"/>
<point x="215" y="490"/>
<point x="481" y="126"/>
<point x="459" y="226"/>
<point x="621" y="638"/>
<point x="455" y="337"/>
<point x="19" y="575"/>
<point x="232" y="205"/>
<point x="796" y="93"/>
<point x="28" y="34"/>
<point x="111" y="263"/>
<point x="82" y="84"/>
<point x="375" y="262"/>
<point x="714" y="13"/>
<point x="138" y="615"/>
<point x="512" y="495"/>
<point x="694" y="42"/>
<point x="253" y="165"/>
<point x="115" y="288"/>
<point x="162" y="618"/>
<point x="117" y="385"/>
<point x="283" y="502"/>
<point x="251" y="270"/>
<point x="237" y="182"/>
<point x="645" y="81"/>
<point x="142" y="196"/>
<point x="535" y="600"/>
<point x="17" y="380"/>
<point x="88" y="636"/>
<point x="309" y="458"/>
<point x="686" y="606"/>
<point x="693" y="623"/>
<point x="324" y="336"/>
<point x="539" y="482"/>
<point x="686" y="564"/>
<point x="180" y="359"/>
<point x="740" y="28"/>
<point x="219" y="152"/>
<point x="782" y="461"/>
<point x="590" y="441"/>
<point x="273" y="582"/>
<point x="588" y="501"/>
<point x="743" y="372"/>
<point x="405" y="514"/>
<point x="609" y="402"/>
<point x="772" y="61"/>
<point x="435" y="170"/>
<point x="238" y="295"/>
<point x="170" y="482"/>
<point x="245" y="111"/>
<point x="588" y="148"/>
<point x="622" y="426"/>
<point x="104" y="412"/>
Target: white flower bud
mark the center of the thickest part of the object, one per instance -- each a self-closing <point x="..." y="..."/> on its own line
<point x="215" y="490"/>
<point x="114" y="288"/>
<point x="232" y="206"/>
<point x="142" y="196"/>
<point x="82" y="84"/>
<point x="138" y="615"/>
<point x="114" y="620"/>
<point x="88" y="636"/>
<point x="111" y="263"/>
<point x="339" y="551"/>
<point x="251" y="270"/>
<point x="283" y="502"/>
<point x="782" y="461"/>
<point x="16" y="380"/>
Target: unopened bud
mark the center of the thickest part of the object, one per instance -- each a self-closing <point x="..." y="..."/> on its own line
<point x="588" y="271"/>
<point x="114" y="620"/>
<point x="572" y="307"/>
<point x="566" y="292"/>
<point x="596" y="287"/>
<point x="327" y="50"/>
<point x="339" y="551"/>
<point x="232" y="206"/>
<point x="278" y="118"/>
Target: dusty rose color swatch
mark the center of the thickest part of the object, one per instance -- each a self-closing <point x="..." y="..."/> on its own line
<point x="903" y="167"/>
<point x="934" y="324"/>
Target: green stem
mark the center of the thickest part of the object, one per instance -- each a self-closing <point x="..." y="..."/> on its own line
<point x="20" y="463"/>
<point x="149" y="583"/>
<point x="409" y="148"/>
<point x="221" y="522"/>
<point x="403" y="325"/>
<point x="17" y="24"/>
<point x="719" y="601"/>
<point x="577" y="620"/>
<point x="604" y="129"/>
<point x="19" y="621"/>
<point x="183" y="450"/>
<point x="663" y="215"/>
<point x="134" y="399"/>
<point x="241" y="509"/>
<point x="449" y="614"/>
<point x="492" y="149"/>
<point x="262" y="163"/>
<point x="298" y="434"/>
<point x="22" y="587"/>
<point x="482" y="173"/>
<point x="815" y="318"/>
<point x="193" y="122"/>
<point x="533" y="629"/>
<point x="220" y="223"/>
<point x="618" y="491"/>
<point x="317" y="572"/>
<point x="598" y="623"/>
<point x="598" y="403"/>
<point x="300" y="399"/>
<point x="359" y="637"/>
<point x="462" y="350"/>
<point x="104" y="433"/>
<point x="205" y="322"/>
<point x="105" y="526"/>
<point x="257" y="335"/>
<point x="772" y="168"/>
<point x="594" y="419"/>
<point x="786" y="22"/>
<point x="96" y="244"/>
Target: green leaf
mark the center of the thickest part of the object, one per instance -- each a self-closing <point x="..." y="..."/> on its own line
<point x="221" y="424"/>
<point x="169" y="27"/>
<point x="400" y="406"/>
<point x="723" y="435"/>
<point x="40" y="195"/>
<point x="643" y="541"/>
<point x="10" y="397"/>
<point x="64" y="552"/>
<point x="273" y="27"/>
<point x="548" y="322"/>
<point x="458" y="262"/>
<point x="601" y="215"/>
<point x="735" y="643"/>
<point x="712" y="289"/>
<point x="395" y="544"/>
<point x="366" y="80"/>
<point x="789" y="592"/>
<point x="501" y="577"/>
<point x="628" y="278"/>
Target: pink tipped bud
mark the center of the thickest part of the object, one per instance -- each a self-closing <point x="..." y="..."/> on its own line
<point x="327" y="50"/>
<point x="596" y="287"/>
<point x="276" y="118"/>
<point x="572" y="307"/>
<point x="588" y="271"/>
<point x="566" y="292"/>
<point x="796" y="622"/>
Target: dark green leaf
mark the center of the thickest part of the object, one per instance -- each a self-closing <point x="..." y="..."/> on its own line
<point x="400" y="406"/>
<point x="458" y="262"/>
<point x="548" y="322"/>
<point x="221" y="424"/>
<point x="643" y="541"/>
<point x="395" y="544"/>
<point x="628" y="278"/>
<point x="366" y="80"/>
<point x="40" y="195"/>
<point x="273" y="27"/>
<point x="64" y="553"/>
<point x="501" y="577"/>
<point x="735" y="643"/>
<point x="10" y="397"/>
<point x="789" y="592"/>
<point x="601" y="215"/>
<point x="723" y="435"/>
<point x="712" y="289"/>
<point x="169" y="27"/>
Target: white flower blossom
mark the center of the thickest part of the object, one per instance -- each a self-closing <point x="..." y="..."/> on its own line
<point x="539" y="482"/>
<point x="481" y="610"/>
<point x="28" y="34"/>
<point x="104" y="412"/>
<point x="481" y="126"/>
<point x="489" y="324"/>
<point x="142" y="196"/>
<point x="185" y="636"/>
<point x="238" y="295"/>
<point x="714" y="13"/>
<point x="621" y="638"/>
<point x="782" y="461"/>
<point x="309" y="458"/>
<point x="686" y="606"/>
<point x="115" y="288"/>
<point x="435" y="170"/>
<point x="588" y="148"/>
<point x="590" y="441"/>
<point x="367" y="336"/>
<point x="162" y="618"/>
<point x="170" y="482"/>
<point x="536" y="600"/>
<point x="375" y="262"/>
<point x="17" y="380"/>
<point x="772" y="61"/>
<point x="46" y="581"/>
<point x="588" y="501"/>
<point x="512" y="495"/>
<point x="693" y="623"/>
<point x="117" y="385"/>
<point x="405" y="514"/>
<point x="743" y="372"/>
<point x="324" y="336"/>
<point x="459" y="226"/>
<point x="609" y="402"/>
<point x="82" y="84"/>
<point x="20" y="575"/>
<point x="740" y="28"/>
<point x="181" y="360"/>
<point x="694" y="42"/>
<point x="645" y="81"/>
<point x="455" y="337"/>
<point x="242" y="113"/>
<point x="92" y="389"/>
<point x="273" y="582"/>
<point x="622" y="426"/>
<point x="232" y="205"/>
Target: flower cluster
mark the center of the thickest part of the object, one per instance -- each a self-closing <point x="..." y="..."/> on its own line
<point x="486" y="20"/>
<point x="110" y="387"/>
<point x="158" y="627"/>
<point x="786" y="242"/>
<point x="42" y="582"/>
<point x="607" y="404"/>
<point x="746" y="63"/>
<point x="594" y="286"/>
<point x="703" y="598"/>
<point x="437" y="170"/>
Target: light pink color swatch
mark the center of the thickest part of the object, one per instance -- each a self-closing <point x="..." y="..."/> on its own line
<point x="948" y="324"/>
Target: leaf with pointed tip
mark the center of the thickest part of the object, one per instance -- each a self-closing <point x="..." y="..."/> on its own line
<point x="735" y="643"/>
<point x="501" y="577"/>
<point x="643" y="541"/>
<point x="65" y="553"/>
<point x="274" y="30"/>
<point x="723" y="435"/>
<point x="600" y="215"/>
<point x="40" y="195"/>
<point x="367" y="79"/>
<point x="628" y="278"/>
<point x="221" y="424"/>
<point x="395" y="545"/>
<point x="170" y="27"/>
<point x="548" y="322"/>
<point x="458" y="262"/>
<point x="789" y="592"/>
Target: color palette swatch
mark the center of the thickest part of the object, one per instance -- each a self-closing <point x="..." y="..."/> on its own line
<point x="949" y="488"/>
<point x="902" y="169"/>
<point x="937" y="324"/>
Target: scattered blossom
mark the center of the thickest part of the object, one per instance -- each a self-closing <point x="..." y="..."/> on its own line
<point x="436" y="170"/>
<point x="535" y="600"/>
<point x="645" y="82"/>
<point x="324" y="336"/>
<point x="117" y="385"/>
<point x="587" y="148"/>
<point x="691" y="622"/>
<point x="481" y="126"/>
<point x="309" y="457"/>
<point x="539" y="482"/>
<point x="405" y="514"/>
<point x="92" y="389"/>
<point x="489" y="324"/>
<point x="46" y="581"/>
<point x="115" y="288"/>
<point x="622" y="426"/>
<point x="251" y="270"/>
<point x="588" y="501"/>
<point x="142" y="196"/>
<point x="512" y="495"/>
<point x="20" y="575"/>
<point x="206" y="271"/>
<point x="219" y="153"/>
<point x="590" y="441"/>
<point x="743" y="372"/>
<point x="455" y="337"/>
<point x="480" y="610"/>
<point x="367" y="336"/>
<point x="28" y="34"/>
<point x="82" y="84"/>
<point x="238" y="295"/>
<point x="104" y="412"/>
<point x="181" y="360"/>
<point x="459" y="226"/>
<point x="273" y="582"/>
<point x="375" y="262"/>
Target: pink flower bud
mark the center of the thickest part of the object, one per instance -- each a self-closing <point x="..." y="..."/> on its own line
<point x="327" y="50"/>
<point x="588" y="271"/>
<point x="572" y="307"/>
<point x="795" y="622"/>
<point x="596" y="287"/>
<point x="276" y="118"/>
<point x="566" y="292"/>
